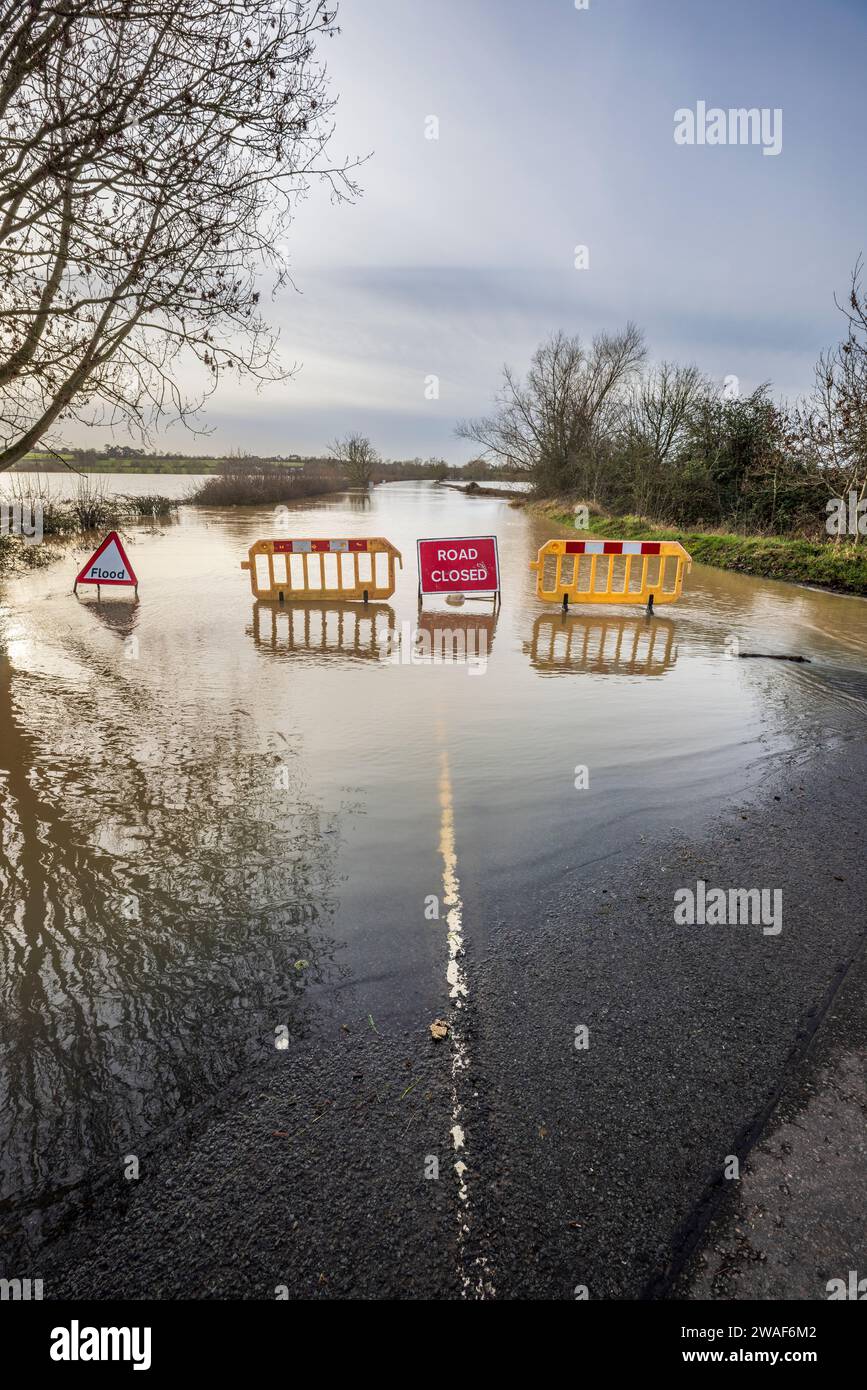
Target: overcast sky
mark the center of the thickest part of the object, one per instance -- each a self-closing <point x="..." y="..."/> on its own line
<point x="556" y="129"/>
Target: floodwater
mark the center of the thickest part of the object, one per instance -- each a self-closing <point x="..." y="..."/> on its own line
<point x="178" y="486"/>
<point x="220" y="818"/>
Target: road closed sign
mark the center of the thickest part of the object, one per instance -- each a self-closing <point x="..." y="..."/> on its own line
<point x="108" y="565"/>
<point x="460" y="565"/>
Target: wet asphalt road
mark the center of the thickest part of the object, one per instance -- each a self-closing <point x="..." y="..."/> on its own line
<point x="797" y="1220"/>
<point x="598" y="1168"/>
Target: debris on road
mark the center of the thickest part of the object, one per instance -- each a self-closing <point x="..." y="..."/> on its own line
<point x="773" y="656"/>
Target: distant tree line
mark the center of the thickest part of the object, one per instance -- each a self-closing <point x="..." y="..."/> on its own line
<point x="597" y="422"/>
<point x="353" y="460"/>
<point x="83" y="456"/>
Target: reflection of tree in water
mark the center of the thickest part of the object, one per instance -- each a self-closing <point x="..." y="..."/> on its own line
<point x="167" y="893"/>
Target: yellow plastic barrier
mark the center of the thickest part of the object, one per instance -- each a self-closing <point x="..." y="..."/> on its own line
<point x="645" y="572"/>
<point x="318" y="569"/>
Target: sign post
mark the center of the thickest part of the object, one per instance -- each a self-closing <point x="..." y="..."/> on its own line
<point x="459" y="565"/>
<point x="107" y="565"/>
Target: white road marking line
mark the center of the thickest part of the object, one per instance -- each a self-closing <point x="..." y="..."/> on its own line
<point x="475" y="1279"/>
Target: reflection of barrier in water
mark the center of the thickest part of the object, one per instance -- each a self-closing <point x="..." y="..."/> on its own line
<point x="354" y="568"/>
<point x="602" y="645"/>
<point x="456" y="636"/>
<point x="328" y="627"/>
<point x="645" y="572"/>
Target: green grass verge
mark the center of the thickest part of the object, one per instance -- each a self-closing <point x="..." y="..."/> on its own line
<point x="842" y="566"/>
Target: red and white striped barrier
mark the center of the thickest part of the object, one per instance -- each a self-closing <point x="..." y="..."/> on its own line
<point x="613" y="547"/>
<point x="319" y="547"/>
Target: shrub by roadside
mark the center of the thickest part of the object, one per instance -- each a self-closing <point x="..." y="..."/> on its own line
<point x="15" y="555"/>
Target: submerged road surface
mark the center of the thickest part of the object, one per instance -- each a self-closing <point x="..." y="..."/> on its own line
<point x="330" y="968"/>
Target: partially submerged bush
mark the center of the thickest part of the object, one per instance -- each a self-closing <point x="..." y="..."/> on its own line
<point x="242" y="483"/>
<point x="153" y="506"/>
<point x="91" y="508"/>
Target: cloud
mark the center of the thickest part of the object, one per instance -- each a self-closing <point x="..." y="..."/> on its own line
<point x="556" y="129"/>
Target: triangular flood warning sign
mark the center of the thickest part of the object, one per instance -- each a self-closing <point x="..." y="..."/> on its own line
<point x="108" y="564"/>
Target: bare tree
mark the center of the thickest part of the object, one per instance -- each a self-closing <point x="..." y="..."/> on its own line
<point x="660" y="406"/>
<point x="552" y="425"/>
<point x="832" y="424"/>
<point x="358" y="457"/>
<point x="151" y="156"/>
<point x="659" y="411"/>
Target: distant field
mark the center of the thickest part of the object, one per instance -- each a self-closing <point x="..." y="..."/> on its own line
<point x="47" y="463"/>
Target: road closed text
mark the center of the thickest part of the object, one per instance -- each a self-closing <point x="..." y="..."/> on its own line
<point x="449" y="574"/>
<point x="461" y="565"/>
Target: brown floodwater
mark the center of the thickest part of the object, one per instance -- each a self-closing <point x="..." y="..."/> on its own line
<point x="221" y="818"/>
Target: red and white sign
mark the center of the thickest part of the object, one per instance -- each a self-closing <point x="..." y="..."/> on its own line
<point x="459" y="565"/>
<point x="108" y="564"/>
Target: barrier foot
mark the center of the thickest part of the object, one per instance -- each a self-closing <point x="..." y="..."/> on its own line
<point x="565" y="603"/>
<point x="649" y="609"/>
<point x="364" y="596"/>
<point x="280" y="596"/>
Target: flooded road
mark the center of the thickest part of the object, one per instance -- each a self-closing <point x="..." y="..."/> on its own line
<point x="223" y="824"/>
